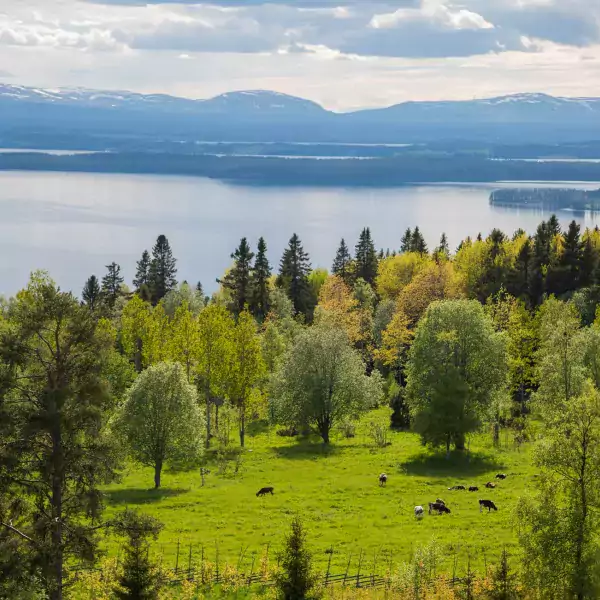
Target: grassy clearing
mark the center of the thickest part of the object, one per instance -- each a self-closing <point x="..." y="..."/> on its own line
<point x="337" y="493"/>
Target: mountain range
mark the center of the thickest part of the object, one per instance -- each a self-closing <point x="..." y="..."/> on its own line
<point x="35" y="117"/>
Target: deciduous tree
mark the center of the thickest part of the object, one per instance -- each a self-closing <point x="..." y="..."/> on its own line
<point x="161" y="419"/>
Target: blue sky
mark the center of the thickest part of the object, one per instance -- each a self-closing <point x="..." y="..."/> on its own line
<point x="344" y="54"/>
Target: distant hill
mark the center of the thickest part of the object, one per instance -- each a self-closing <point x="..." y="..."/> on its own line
<point x="90" y="118"/>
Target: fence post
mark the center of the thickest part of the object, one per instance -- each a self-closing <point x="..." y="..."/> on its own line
<point x="359" y="565"/>
<point x="328" y="566"/>
<point x="190" y="564"/>
<point x="347" y="567"/>
<point x="177" y="558"/>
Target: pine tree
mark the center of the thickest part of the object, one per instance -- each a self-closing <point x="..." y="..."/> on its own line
<point x="296" y="580"/>
<point x="239" y="279"/>
<point x="366" y="258"/>
<point x="294" y="269"/>
<point x="161" y="275"/>
<point x="517" y="279"/>
<point x="417" y="243"/>
<point x="589" y="264"/>
<point x="91" y="292"/>
<point x="406" y="241"/>
<point x="139" y="580"/>
<point x="342" y="265"/>
<point x="260" y="282"/>
<point x="443" y="248"/>
<point x="142" y="273"/>
<point x="553" y="226"/>
<point x="538" y="264"/>
<point x="111" y="284"/>
<point x="569" y="265"/>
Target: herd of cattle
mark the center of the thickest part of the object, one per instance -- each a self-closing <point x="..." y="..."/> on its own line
<point x="439" y="506"/>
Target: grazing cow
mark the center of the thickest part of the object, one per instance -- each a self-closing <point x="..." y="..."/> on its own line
<point x="382" y="479"/>
<point x="490" y="485"/>
<point x="487" y="504"/>
<point x="439" y="508"/>
<point x="501" y="476"/>
<point x="419" y="511"/>
<point x="473" y="488"/>
<point x="265" y="490"/>
<point x="457" y="487"/>
<point x="440" y="501"/>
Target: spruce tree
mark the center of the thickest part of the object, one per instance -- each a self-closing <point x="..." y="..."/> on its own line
<point x="406" y="241"/>
<point x="538" y="264"/>
<point x="342" y="265"/>
<point x="589" y="264"/>
<point x="553" y="226"/>
<point x="417" y="242"/>
<point x="294" y="269"/>
<point x="296" y="579"/>
<point x="443" y="248"/>
<point x="111" y="284"/>
<point x="142" y="273"/>
<point x="260" y="282"/>
<point x="91" y="292"/>
<point x="517" y="278"/>
<point x="161" y="275"/>
<point x="139" y="580"/>
<point x="366" y="258"/>
<point x="239" y="279"/>
<point x="570" y="262"/>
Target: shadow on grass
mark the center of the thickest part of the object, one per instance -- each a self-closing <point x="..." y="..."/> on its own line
<point x="140" y="496"/>
<point x="305" y="449"/>
<point x="460" y="464"/>
<point x="257" y="427"/>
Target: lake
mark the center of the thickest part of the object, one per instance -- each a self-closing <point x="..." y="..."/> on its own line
<point x="73" y="224"/>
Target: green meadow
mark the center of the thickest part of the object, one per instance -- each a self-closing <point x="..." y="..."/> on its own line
<point x="336" y="491"/>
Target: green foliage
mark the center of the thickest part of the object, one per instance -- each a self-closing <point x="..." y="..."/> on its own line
<point x="111" y="284"/>
<point x="457" y="367"/>
<point x="294" y="269"/>
<point x="162" y="270"/>
<point x="260" y="303"/>
<point x="160" y="420"/>
<point x="322" y="381"/>
<point x="91" y="293"/>
<point x="142" y="273"/>
<point x="238" y="280"/>
<point x="139" y="579"/>
<point x="296" y="579"/>
<point x="184" y="294"/>
<point x="53" y="408"/>
<point x="365" y="262"/>
<point x="503" y="580"/>
<point x="342" y="264"/>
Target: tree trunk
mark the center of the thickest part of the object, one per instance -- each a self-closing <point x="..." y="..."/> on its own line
<point x="242" y="427"/>
<point x="448" y="447"/>
<point x="56" y="556"/>
<point x="217" y="418"/>
<point x="496" y="433"/>
<point x="207" y="441"/>
<point x="137" y="359"/>
<point x="324" y="431"/>
<point x="459" y="441"/>
<point x="580" y="542"/>
<point x="157" y="471"/>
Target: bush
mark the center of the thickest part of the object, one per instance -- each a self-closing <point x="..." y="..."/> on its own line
<point x="379" y="434"/>
<point x="348" y="429"/>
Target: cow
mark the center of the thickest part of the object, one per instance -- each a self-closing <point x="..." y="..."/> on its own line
<point x="487" y="504"/>
<point x="382" y="479"/>
<point x="264" y="491"/>
<point x="501" y="476"/>
<point x="419" y="511"/>
<point x="473" y="488"/>
<point x="440" y="501"/>
<point x="490" y="485"/>
<point x="439" y="508"/>
<point x="457" y="487"/>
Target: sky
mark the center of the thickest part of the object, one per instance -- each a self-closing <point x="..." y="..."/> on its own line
<point x="344" y="54"/>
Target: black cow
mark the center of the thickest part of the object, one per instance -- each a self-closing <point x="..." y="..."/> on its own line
<point x="382" y="479"/>
<point x="265" y="490"/>
<point x="439" y="508"/>
<point x="490" y="485"/>
<point x="487" y="504"/>
<point x="473" y="488"/>
<point x="501" y="476"/>
<point x="457" y="487"/>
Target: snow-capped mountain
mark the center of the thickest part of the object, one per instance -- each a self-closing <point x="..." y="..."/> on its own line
<point x="267" y="116"/>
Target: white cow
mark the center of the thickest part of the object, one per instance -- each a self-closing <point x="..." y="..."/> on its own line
<point x="419" y="512"/>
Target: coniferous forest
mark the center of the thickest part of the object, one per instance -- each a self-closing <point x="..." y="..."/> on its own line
<point x="441" y="353"/>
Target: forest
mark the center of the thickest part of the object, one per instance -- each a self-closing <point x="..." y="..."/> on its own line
<point x="457" y="349"/>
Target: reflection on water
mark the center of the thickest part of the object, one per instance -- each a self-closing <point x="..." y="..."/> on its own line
<point x="73" y="224"/>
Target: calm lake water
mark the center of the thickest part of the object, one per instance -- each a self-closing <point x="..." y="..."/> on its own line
<point x="73" y="224"/>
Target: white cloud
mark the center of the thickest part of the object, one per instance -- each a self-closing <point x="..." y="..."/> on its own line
<point x="431" y="11"/>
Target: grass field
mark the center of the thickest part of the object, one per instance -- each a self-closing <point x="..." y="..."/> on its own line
<point x="336" y="491"/>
